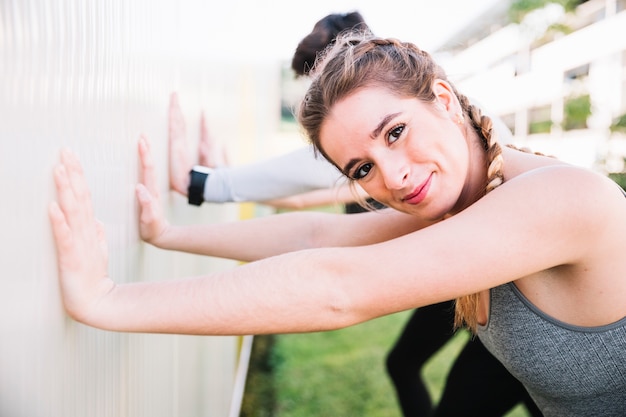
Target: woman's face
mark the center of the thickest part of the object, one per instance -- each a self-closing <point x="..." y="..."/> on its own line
<point x="405" y="153"/>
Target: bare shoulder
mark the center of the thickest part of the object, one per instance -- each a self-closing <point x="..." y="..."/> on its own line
<point x="581" y="210"/>
<point x="577" y="224"/>
<point x="563" y="183"/>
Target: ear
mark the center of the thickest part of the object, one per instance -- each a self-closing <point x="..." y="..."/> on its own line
<point x="445" y="99"/>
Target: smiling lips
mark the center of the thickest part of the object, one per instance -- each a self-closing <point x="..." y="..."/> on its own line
<point x="419" y="194"/>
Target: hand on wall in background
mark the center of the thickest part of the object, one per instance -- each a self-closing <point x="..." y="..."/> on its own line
<point x="210" y="153"/>
<point x="152" y="221"/>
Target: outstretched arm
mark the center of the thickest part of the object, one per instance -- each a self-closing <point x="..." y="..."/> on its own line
<point x="272" y="235"/>
<point x="292" y="173"/>
<point x="491" y="242"/>
<point x="281" y="294"/>
<point x="200" y="305"/>
<point x="343" y="194"/>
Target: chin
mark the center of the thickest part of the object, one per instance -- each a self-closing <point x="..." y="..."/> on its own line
<point x="420" y="211"/>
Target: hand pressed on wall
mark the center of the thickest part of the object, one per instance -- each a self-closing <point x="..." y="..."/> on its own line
<point x="80" y="240"/>
<point x="180" y="160"/>
<point x="210" y="153"/>
<point x="152" y="221"/>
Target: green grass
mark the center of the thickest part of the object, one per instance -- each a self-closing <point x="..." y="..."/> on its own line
<point x="339" y="373"/>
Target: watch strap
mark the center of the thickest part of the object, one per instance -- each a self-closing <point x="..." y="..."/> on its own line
<point x="197" y="178"/>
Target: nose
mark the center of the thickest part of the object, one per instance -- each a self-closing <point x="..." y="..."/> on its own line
<point x="395" y="173"/>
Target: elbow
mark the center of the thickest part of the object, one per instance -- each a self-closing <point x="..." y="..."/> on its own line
<point x="339" y="309"/>
<point x="344" y="309"/>
<point x="342" y="305"/>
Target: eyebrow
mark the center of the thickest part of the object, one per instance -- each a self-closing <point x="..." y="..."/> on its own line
<point x="381" y="125"/>
<point x="379" y="128"/>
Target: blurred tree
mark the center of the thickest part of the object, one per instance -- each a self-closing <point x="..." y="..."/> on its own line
<point x="520" y="8"/>
<point x="577" y="110"/>
<point x="619" y="124"/>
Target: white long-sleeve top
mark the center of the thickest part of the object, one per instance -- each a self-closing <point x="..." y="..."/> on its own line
<point x="293" y="173"/>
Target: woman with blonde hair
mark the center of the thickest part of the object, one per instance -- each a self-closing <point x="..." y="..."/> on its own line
<point x="530" y="247"/>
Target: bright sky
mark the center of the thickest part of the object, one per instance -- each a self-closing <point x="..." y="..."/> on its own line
<point x="278" y="25"/>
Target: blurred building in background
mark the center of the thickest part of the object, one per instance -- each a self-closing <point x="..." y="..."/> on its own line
<point x="557" y="78"/>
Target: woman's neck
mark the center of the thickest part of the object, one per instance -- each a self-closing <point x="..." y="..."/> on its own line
<point x="476" y="178"/>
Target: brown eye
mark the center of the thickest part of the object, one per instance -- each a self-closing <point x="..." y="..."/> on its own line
<point x="361" y="171"/>
<point x="394" y="134"/>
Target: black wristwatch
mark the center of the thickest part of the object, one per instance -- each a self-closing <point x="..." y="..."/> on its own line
<point x="197" y="179"/>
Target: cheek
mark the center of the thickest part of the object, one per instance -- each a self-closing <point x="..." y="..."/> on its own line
<point x="377" y="190"/>
<point x="455" y="171"/>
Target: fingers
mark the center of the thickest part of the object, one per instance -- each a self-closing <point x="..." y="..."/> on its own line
<point x="148" y="170"/>
<point x="177" y="128"/>
<point x="204" y="130"/>
<point x="210" y="153"/>
<point x="74" y="198"/>
<point x="71" y="216"/>
<point x="75" y="175"/>
<point x="60" y="230"/>
<point x="174" y="99"/>
<point x="174" y="103"/>
<point x="145" y="203"/>
<point x="179" y="158"/>
<point x="143" y="195"/>
<point x="151" y="221"/>
<point x="204" y="146"/>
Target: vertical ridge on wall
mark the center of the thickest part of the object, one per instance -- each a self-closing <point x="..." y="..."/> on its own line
<point x="93" y="76"/>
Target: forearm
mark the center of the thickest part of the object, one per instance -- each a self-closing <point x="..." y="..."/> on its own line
<point x="323" y="197"/>
<point x="293" y="173"/>
<point x="298" y="292"/>
<point x="271" y="235"/>
<point x="267" y="236"/>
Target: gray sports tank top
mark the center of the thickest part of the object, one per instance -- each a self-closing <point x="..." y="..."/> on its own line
<point x="570" y="371"/>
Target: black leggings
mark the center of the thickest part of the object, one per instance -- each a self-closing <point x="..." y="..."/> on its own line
<point x="477" y="385"/>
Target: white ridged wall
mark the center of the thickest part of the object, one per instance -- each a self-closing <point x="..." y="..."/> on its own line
<point x="93" y="75"/>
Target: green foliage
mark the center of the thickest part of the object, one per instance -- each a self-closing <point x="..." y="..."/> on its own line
<point x="561" y="28"/>
<point x="619" y="178"/>
<point x="520" y="8"/>
<point x="577" y="110"/>
<point x="571" y="5"/>
<point x="543" y="126"/>
<point x="619" y="124"/>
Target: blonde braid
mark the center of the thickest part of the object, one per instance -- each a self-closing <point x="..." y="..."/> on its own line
<point x="466" y="307"/>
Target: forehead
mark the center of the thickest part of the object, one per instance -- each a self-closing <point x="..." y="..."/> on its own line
<point x="363" y="104"/>
<point x="354" y="118"/>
